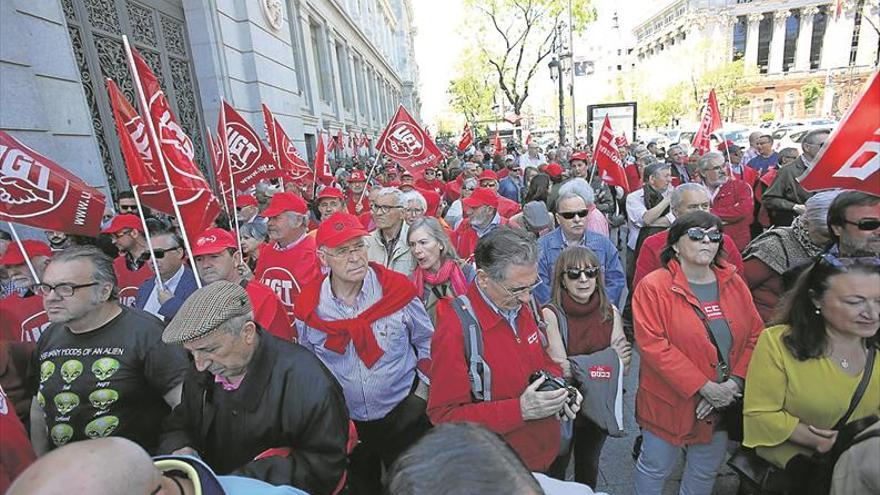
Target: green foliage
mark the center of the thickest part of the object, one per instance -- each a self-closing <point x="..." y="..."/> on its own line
<point x="768" y="117"/>
<point x="470" y="93"/>
<point x="811" y="92"/>
<point x="727" y="80"/>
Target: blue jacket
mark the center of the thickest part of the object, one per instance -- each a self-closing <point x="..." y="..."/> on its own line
<point x="185" y="287"/>
<point x="552" y="244"/>
<point x="510" y="189"/>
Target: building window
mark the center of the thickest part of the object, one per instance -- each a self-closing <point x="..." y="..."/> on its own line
<point x="740" y="31"/>
<point x="820" y="23"/>
<point x="765" y="35"/>
<point x="318" y="54"/>
<point x="359" y="82"/>
<point x="767" y="105"/>
<point x="344" y="75"/>
<point x="857" y="28"/>
<point x="792" y="29"/>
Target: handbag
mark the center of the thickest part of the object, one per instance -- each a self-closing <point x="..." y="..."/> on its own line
<point x="805" y="474"/>
<point x="732" y="415"/>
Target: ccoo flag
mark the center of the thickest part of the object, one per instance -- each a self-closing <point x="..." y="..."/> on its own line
<point x="406" y="143"/>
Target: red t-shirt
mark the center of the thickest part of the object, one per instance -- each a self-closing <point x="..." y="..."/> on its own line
<point x="285" y="271"/>
<point x="269" y="312"/>
<point x="129" y="281"/>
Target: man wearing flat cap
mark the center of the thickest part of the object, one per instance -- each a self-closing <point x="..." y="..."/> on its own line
<point x="367" y="324"/>
<point x="253" y="405"/>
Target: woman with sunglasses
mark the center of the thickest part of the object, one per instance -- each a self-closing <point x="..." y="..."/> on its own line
<point x="805" y="370"/>
<point x="594" y="324"/>
<point x="695" y="328"/>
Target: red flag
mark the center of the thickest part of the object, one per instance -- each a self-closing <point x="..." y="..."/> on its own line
<point x="216" y="154"/>
<point x="497" y="147"/>
<point x="405" y="142"/>
<point x="287" y="156"/>
<point x="340" y="141"/>
<point x="250" y="159"/>
<point x="708" y="124"/>
<point x="323" y="174"/>
<point x="529" y="139"/>
<point x="467" y="137"/>
<point x="850" y="158"/>
<point x="621" y="141"/>
<point x="607" y="158"/>
<point x="36" y="191"/>
<point x="269" y="127"/>
<point x="196" y="202"/>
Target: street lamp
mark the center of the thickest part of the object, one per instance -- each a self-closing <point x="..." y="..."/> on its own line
<point x="557" y="76"/>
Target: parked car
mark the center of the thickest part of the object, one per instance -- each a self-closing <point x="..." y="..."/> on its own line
<point x="739" y="134"/>
<point x="794" y="135"/>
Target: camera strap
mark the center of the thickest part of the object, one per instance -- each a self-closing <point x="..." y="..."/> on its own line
<point x="479" y="373"/>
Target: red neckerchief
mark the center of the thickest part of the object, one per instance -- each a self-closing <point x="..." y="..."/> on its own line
<point x="397" y="292"/>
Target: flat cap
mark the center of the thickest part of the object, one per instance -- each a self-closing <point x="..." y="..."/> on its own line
<point x="206" y="309"/>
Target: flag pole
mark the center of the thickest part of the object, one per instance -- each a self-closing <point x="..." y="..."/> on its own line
<point x="315" y="170"/>
<point x="225" y="144"/>
<point x="27" y="259"/>
<point x="277" y="151"/>
<point x="147" y="236"/>
<point x="160" y="155"/>
<point x="369" y="176"/>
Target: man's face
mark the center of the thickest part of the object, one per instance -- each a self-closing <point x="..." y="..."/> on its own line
<point x="735" y="156"/>
<point x="407" y="180"/>
<point x="855" y="241"/>
<point x="478" y="157"/>
<point x="471" y="170"/>
<point x="357" y="188"/>
<point x="813" y="144"/>
<point x="489" y="183"/>
<point x="652" y="147"/>
<point x="223" y="353"/>
<point x="677" y="156"/>
<point x="20" y="275"/>
<point x="514" y="290"/>
<point x="391" y="176"/>
<point x="127" y="206"/>
<point x="479" y="217"/>
<point x="430" y="174"/>
<point x="533" y="151"/>
<point x="765" y="146"/>
<point x="660" y="181"/>
<point x="283" y="227"/>
<point x="693" y="201"/>
<point x="56" y="238"/>
<point x="579" y="168"/>
<point x="575" y="208"/>
<point x="217" y="266"/>
<point x="245" y="213"/>
<point x="386" y="212"/>
<point x="348" y="261"/>
<point x="83" y="301"/>
<point x="329" y="206"/>
<point x="125" y="239"/>
<point x="172" y="255"/>
<point x="714" y="175"/>
<point x="786" y="157"/>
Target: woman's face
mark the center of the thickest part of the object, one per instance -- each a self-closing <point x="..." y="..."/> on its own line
<point x="851" y="304"/>
<point x="249" y="244"/>
<point x="581" y="288"/>
<point x="698" y="252"/>
<point x="425" y="249"/>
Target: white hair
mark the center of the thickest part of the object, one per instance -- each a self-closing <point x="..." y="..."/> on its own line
<point x="388" y="191"/>
<point x="413" y="196"/>
<point x="580" y="187"/>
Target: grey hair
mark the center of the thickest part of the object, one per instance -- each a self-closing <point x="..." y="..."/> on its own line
<point x="678" y="193"/>
<point x="504" y="247"/>
<point x="435" y="231"/>
<point x="469" y="182"/>
<point x="646" y="159"/>
<point x="292" y="215"/>
<point x="580" y="187"/>
<point x="254" y="230"/>
<point x="709" y="159"/>
<point x="410" y="196"/>
<point x="816" y="208"/>
<point x="674" y="147"/>
<point x="102" y="265"/>
<point x="234" y="325"/>
<point x="388" y="191"/>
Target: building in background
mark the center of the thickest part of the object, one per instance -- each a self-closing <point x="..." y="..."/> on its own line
<point x="318" y="64"/>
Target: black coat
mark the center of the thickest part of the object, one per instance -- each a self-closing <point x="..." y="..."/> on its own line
<point x="288" y="399"/>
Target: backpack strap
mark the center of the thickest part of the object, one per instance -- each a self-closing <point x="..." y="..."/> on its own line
<point x="479" y="373"/>
<point x="860" y="389"/>
<point x="561" y="322"/>
<point x="538" y="316"/>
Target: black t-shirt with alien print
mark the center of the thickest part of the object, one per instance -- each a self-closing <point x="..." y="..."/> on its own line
<point x="109" y="381"/>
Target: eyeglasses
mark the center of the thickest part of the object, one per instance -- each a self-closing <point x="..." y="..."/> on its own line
<point x="160" y="253"/>
<point x="121" y="233"/>
<point x="413" y="212"/>
<point x="568" y="215"/>
<point x="62" y="290"/>
<point x="468" y="188"/>
<point x="383" y="209"/>
<point x="575" y="273"/>
<point x="346" y="252"/>
<point x="866" y="224"/>
<point x="430" y="172"/>
<point x="697" y="234"/>
<point x="490" y="183"/>
<point x="515" y="292"/>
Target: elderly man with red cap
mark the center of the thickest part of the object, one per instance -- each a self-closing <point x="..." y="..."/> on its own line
<point x="368" y="326"/>
<point x="132" y="266"/>
<point x="480" y="217"/>
<point x="288" y="261"/>
<point x="431" y="181"/>
<point x="216" y="254"/>
<point x="248" y="209"/>
<point x="329" y="201"/>
<point x="356" y="183"/>
<point x="24" y="318"/>
<point x="506" y="207"/>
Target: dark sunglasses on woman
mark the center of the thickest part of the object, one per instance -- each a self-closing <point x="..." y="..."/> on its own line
<point x="575" y="273"/>
<point x="697" y="234"/>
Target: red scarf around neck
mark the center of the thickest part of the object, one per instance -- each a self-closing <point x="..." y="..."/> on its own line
<point x="397" y="292"/>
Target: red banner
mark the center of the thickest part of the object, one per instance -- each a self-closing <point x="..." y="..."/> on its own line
<point x="607" y="158"/>
<point x="850" y="158"/>
<point x="323" y="174"/>
<point x="250" y="159"/>
<point x="708" y="124"/>
<point x="497" y="147"/>
<point x="287" y="156"/>
<point x="36" y="191"/>
<point x="467" y="137"/>
<point x="404" y="141"/>
<point x="223" y="189"/>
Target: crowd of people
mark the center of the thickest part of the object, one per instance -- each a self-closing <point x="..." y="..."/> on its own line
<point x="465" y="331"/>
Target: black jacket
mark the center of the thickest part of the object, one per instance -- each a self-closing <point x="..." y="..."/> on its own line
<point x="288" y="399"/>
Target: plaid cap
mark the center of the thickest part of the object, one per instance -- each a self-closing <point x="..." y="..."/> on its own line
<point x="205" y="310"/>
<point x="122" y="222"/>
<point x="33" y="249"/>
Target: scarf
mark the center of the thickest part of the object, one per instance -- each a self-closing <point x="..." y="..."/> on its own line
<point x="449" y="272"/>
<point x="588" y="332"/>
<point x="783" y="247"/>
<point x="397" y="292"/>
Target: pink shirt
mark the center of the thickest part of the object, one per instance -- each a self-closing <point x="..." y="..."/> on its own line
<point x="596" y="221"/>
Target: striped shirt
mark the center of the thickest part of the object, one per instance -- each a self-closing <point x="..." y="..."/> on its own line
<point x="405" y="336"/>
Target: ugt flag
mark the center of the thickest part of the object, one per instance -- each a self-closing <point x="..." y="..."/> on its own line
<point x="406" y="143"/>
<point x="249" y="158"/>
<point x="708" y="124"/>
<point x="851" y="157"/>
<point x="467" y="137"/>
<point x="36" y="191"/>
<point x="607" y="158"/>
<point x="286" y="155"/>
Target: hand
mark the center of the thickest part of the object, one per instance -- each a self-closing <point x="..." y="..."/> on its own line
<point x="624" y="350"/>
<point x="704" y="409"/>
<point x="568" y="413"/>
<point x="164" y="296"/>
<point x="824" y="439"/>
<point x="539" y="405"/>
<point x="720" y="395"/>
<point x="799" y="209"/>
<point x="358" y="208"/>
<point x="186" y="451"/>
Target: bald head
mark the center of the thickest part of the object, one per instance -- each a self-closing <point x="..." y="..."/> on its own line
<point x="108" y="466"/>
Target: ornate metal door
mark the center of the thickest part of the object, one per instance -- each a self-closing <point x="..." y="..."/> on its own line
<point x="158" y="30"/>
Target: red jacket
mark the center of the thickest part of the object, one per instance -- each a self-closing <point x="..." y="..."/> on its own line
<point x="435" y="185"/>
<point x="511" y="360"/>
<point x="269" y="312"/>
<point x="677" y="357"/>
<point x="464" y="238"/>
<point x="652" y="248"/>
<point x="16" y="453"/>
<point x="453" y="189"/>
<point x="129" y="281"/>
<point x="23" y="318"/>
<point x="632" y="176"/>
<point x="735" y="204"/>
<point x="352" y="202"/>
<point x="507" y="207"/>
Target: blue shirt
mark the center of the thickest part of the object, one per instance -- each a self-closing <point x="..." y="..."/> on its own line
<point x="405" y="336"/>
<point x="761" y="164"/>
<point x="552" y="244"/>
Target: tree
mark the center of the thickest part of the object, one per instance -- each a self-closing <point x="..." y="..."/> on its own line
<point x="727" y="80"/>
<point x="811" y="92"/>
<point x="471" y="92"/>
<point x="515" y="36"/>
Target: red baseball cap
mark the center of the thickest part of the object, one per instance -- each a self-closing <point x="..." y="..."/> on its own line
<point x="488" y="174"/>
<point x="580" y="155"/>
<point x="246" y="200"/>
<point x="339" y="228"/>
<point x="553" y="170"/>
<point x="122" y="222"/>
<point x="213" y="241"/>
<point x="728" y="145"/>
<point x="330" y="192"/>
<point x="482" y="196"/>
<point x="357" y="176"/>
<point x="33" y="249"/>
<point x="285" y="201"/>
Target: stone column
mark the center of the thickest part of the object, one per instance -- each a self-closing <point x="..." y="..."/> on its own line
<point x="838" y="37"/>
<point x="751" y="57"/>
<point x="867" y="53"/>
<point x="777" y="43"/>
<point x="805" y="39"/>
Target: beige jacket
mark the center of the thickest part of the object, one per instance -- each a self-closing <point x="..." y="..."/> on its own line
<point x="401" y="260"/>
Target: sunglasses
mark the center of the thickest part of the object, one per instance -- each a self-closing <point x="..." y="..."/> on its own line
<point x="160" y="253"/>
<point x="866" y="224"/>
<point x="568" y="215"/>
<point x="698" y="234"/>
<point x="575" y="273"/>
